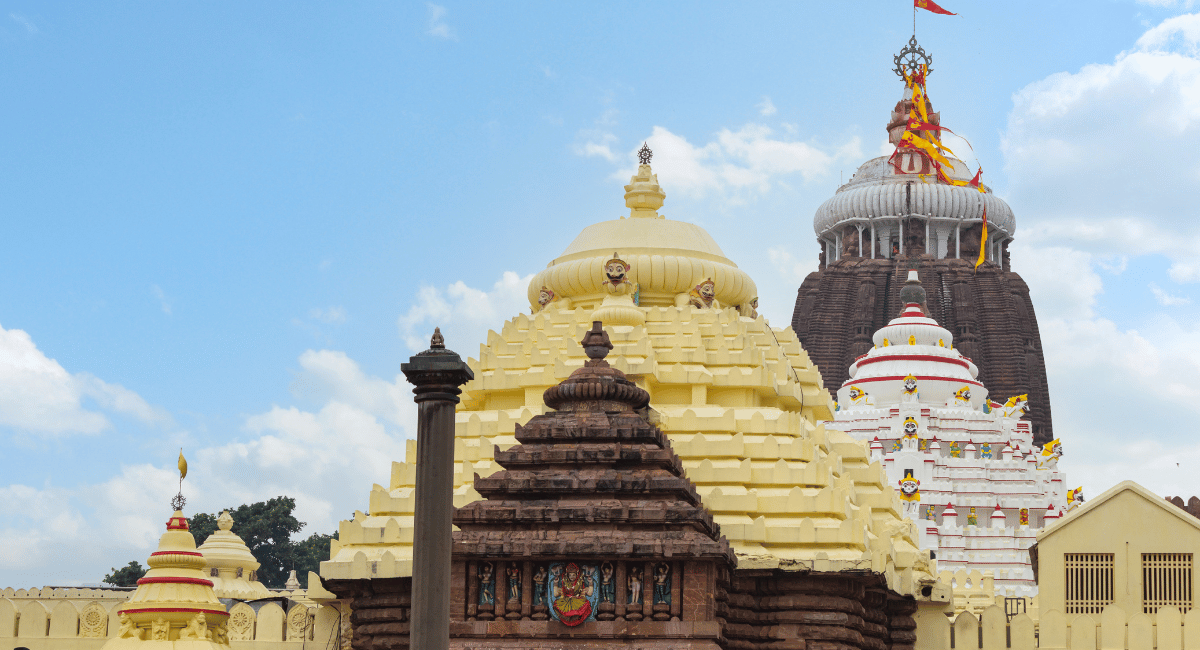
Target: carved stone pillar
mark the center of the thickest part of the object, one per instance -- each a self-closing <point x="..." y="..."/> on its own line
<point x="436" y="375"/>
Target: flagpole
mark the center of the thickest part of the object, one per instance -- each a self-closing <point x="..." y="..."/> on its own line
<point x="914" y="20"/>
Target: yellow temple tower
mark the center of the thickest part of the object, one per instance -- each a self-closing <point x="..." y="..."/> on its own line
<point x="738" y="399"/>
<point x="174" y="607"/>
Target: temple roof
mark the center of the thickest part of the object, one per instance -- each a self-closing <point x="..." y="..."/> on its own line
<point x="228" y="554"/>
<point x="666" y="258"/>
<point x="913" y="344"/>
<point x="174" y="602"/>
<point x="738" y="400"/>
<point x="902" y="184"/>
<point x="591" y="478"/>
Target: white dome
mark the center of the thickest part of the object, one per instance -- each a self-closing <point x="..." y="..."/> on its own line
<point x="878" y="190"/>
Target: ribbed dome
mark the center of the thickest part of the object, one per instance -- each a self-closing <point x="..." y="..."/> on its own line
<point x="665" y="257"/>
<point x="878" y="190"/>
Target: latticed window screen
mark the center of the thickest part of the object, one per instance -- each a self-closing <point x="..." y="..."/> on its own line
<point x="1166" y="581"/>
<point x="1089" y="582"/>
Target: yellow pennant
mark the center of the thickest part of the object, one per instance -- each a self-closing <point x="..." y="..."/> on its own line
<point x="182" y="466"/>
<point x="982" y="241"/>
<point x="924" y="145"/>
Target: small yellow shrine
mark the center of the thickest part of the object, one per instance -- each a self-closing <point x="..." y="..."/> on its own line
<point x="174" y="607"/>
<point x="738" y="399"/>
<point x="231" y="567"/>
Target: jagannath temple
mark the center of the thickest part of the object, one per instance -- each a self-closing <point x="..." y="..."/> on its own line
<point x="714" y="418"/>
<point x="966" y="466"/>
<point x="921" y="208"/>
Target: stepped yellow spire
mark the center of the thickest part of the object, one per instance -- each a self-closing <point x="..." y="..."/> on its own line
<point x="739" y="400"/>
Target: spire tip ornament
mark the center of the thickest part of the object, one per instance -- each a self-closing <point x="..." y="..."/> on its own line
<point x="437" y="342"/>
<point x="909" y="60"/>
<point x="645" y="154"/>
<point x="178" y="502"/>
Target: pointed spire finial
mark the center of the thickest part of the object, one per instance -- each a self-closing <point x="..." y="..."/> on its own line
<point x="437" y="342"/>
<point x="644" y="154"/>
<point x="178" y="501"/>
<point x="595" y="342"/>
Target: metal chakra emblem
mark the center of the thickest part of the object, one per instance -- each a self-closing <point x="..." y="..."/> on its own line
<point x="644" y="154"/>
<point x="910" y="58"/>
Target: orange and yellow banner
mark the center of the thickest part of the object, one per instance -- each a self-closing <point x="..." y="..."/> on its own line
<point x="930" y="5"/>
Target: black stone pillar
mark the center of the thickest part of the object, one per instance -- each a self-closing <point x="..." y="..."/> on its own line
<point x="436" y="375"/>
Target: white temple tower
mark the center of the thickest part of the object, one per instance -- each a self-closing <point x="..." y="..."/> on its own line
<point x="965" y="466"/>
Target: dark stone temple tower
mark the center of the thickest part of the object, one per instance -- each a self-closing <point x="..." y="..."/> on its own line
<point x="894" y="215"/>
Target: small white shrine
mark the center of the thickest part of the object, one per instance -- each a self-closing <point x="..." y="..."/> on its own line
<point x="966" y="467"/>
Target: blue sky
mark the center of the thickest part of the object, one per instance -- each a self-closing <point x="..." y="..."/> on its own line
<point x="225" y="226"/>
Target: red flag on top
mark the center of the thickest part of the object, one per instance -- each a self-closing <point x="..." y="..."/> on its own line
<point x="930" y="5"/>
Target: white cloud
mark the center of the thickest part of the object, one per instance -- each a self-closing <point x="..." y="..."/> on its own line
<point x="328" y="316"/>
<point x="749" y="160"/>
<point x="1108" y="155"/>
<point x="157" y="292"/>
<point x="327" y="459"/>
<point x="792" y="269"/>
<point x="1167" y="299"/>
<point x="437" y="23"/>
<point x="766" y="106"/>
<point x="38" y="395"/>
<point x="463" y="313"/>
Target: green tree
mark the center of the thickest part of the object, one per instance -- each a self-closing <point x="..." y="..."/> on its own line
<point x="128" y="575"/>
<point x="308" y="554"/>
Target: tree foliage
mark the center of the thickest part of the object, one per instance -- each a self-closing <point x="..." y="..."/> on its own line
<point x="127" y="576"/>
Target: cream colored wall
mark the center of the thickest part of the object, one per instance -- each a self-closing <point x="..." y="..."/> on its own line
<point x="1113" y="629"/>
<point x="49" y="624"/>
<point x="1125" y="525"/>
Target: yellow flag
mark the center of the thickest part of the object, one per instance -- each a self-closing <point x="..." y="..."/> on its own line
<point x="982" y="240"/>
<point x="182" y="466"/>
<point x="924" y="145"/>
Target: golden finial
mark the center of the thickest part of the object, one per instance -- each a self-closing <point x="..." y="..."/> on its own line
<point x="178" y="502"/>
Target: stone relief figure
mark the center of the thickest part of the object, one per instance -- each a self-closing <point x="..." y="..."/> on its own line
<point x="749" y="309"/>
<point x="539" y="586"/>
<point x="1051" y="452"/>
<point x="128" y="630"/>
<point x="571" y="595"/>
<point x="850" y="243"/>
<point x="160" y="630"/>
<point x="219" y="634"/>
<point x="704" y="295"/>
<point x="607" y="586"/>
<point x="635" y="586"/>
<point x="616" y="278"/>
<point x="545" y="297"/>
<point x="487" y="584"/>
<point x="662" y="583"/>
<point x="197" y="628"/>
<point x="514" y="582"/>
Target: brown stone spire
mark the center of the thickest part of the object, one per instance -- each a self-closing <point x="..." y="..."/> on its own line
<point x="591" y="523"/>
<point x="598" y="470"/>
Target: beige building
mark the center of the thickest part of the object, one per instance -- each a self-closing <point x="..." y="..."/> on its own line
<point x="1127" y="547"/>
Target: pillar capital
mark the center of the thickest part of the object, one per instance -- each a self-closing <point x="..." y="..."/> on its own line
<point x="436" y="373"/>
